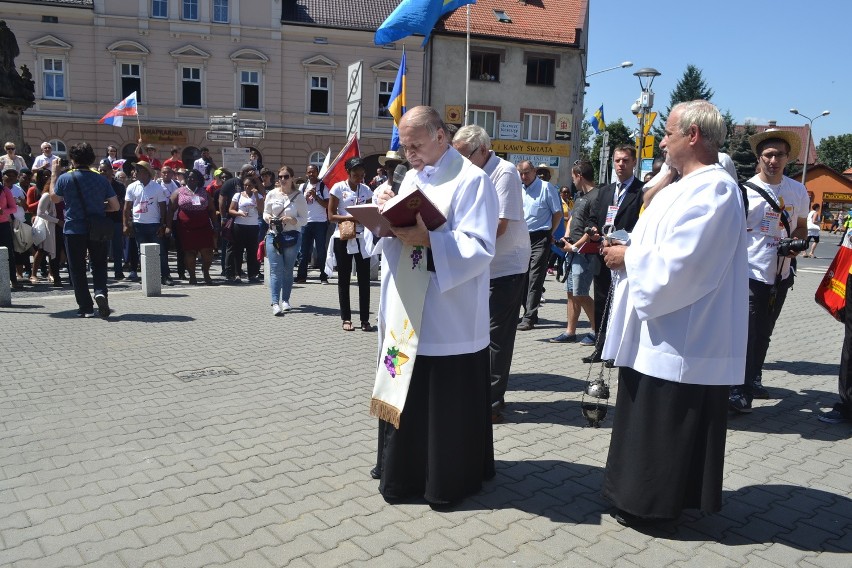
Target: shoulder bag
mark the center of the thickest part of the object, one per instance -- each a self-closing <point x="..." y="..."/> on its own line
<point x="101" y="228"/>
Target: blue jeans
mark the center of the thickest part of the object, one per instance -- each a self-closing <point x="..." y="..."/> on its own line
<point x="281" y="270"/>
<point x="313" y="237"/>
<point x="147" y="233"/>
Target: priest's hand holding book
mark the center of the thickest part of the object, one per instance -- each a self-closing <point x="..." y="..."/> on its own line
<point x="408" y="217"/>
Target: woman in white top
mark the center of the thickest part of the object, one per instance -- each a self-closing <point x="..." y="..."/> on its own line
<point x="244" y="209"/>
<point x="10" y="160"/>
<point x="351" y="191"/>
<point x="286" y="211"/>
<point x="46" y="211"/>
<point x="813" y="229"/>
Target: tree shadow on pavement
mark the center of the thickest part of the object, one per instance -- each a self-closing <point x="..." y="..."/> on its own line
<point x="807" y="368"/>
<point x="799" y="517"/>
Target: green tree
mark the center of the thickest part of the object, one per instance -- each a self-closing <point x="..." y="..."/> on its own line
<point x="585" y="138"/>
<point x="690" y="87"/>
<point x="618" y="134"/>
<point x="836" y="152"/>
<point x="740" y="151"/>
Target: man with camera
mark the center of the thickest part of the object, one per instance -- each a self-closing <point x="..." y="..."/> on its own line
<point x="776" y="231"/>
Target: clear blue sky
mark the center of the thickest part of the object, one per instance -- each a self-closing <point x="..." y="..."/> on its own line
<point x="760" y="57"/>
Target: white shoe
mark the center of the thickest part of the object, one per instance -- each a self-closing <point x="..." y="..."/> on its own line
<point x="285" y="306"/>
<point x="276" y="310"/>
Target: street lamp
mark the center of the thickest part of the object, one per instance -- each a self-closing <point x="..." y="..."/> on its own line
<point x="808" y="145"/>
<point x="624" y="65"/>
<point x="646" y="77"/>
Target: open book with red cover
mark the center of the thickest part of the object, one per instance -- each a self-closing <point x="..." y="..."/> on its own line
<point x="399" y="211"/>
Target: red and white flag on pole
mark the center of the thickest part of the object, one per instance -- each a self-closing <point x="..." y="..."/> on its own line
<point x="127" y="107"/>
<point x="337" y="171"/>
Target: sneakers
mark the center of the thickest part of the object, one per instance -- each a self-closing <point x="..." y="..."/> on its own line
<point x="834" y="417"/>
<point x="132" y="275"/>
<point x="285" y="306"/>
<point x="563" y="338"/>
<point x="166" y="281"/>
<point x="758" y="390"/>
<point x="276" y="310"/>
<point x="589" y="340"/>
<point x="738" y="403"/>
<point x="103" y="305"/>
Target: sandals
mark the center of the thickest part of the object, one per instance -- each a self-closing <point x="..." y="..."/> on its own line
<point x="365" y="326"/>
<point x="347" y="325"/>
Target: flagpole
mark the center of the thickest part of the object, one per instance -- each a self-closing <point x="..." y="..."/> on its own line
<point x="467" y="69"/>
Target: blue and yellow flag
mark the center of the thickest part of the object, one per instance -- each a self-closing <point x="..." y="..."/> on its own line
<point x="597" y="121"/>
<point x="396" y="104"/>
<point x="415" y="17"/>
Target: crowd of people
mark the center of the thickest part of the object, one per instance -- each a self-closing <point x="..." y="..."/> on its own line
<point x="687" y="323"/>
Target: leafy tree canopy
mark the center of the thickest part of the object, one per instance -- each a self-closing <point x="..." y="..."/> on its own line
<point x="618" y="134"/>
<point x="740" y="151"/>
<point x="836" y="152"/>
<point x="690" y="87"/>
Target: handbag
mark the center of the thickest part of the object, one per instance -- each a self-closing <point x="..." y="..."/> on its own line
<point x="347" y="230"/>
<point x="23" y="236"/>
<point x="831" y="292"/>
<point x="228" y="229"/>
<point x="101" y="228"/>
<point x="39" y="230"/>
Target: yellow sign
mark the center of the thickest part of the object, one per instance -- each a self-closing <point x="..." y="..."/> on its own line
<point x="453" y="114"/>
<point x="845" y="197"/>
<point x="648" y="150"/>
<point x="649" y="121"/>
<point x="520" y="147"/>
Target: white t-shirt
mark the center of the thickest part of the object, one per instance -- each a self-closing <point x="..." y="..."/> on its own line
<point x="316" y="212"/>
<point x="346" y="197"/>
<point x="145" y="201"/>
<point x="247" y="204"/>
<point x="513" y="246"/>
<point x="278" y="204"/>
<point x="168" y="189"/>
<point x="813" y="223"/>
<point x="41" y="160"/>
<point x="765" y="229"/>
<point x="19" y="193"/>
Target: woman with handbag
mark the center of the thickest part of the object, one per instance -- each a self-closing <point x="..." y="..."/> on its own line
<point x="244" y="209"/>
<point x="8" y="206"/>
<point x="286" y="211"/>
<point x="87" y="196"/>
<point x="195" y="211"/>
<point x="45" y="221"/>
<point x="348" y="242"/>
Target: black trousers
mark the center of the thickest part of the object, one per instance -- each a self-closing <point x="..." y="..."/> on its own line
<point x="244" y="241"/>
<point x="763" y="313"/>
<point x="76" y="247"/>
<point x="844" y="383"/>
<point x="539" y="255"/>
<point x="504" y="301"/>
<point x="344" y="276"/>
<point x="603" y="280"/>
<point x="7" y="240"/>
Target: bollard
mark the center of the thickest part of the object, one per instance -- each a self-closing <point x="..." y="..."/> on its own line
<point x="152" y="284"/>
<point x="5" y="283"/>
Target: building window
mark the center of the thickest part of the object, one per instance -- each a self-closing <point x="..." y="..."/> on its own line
<point x="536" y="128"/>
<point x="59" y="148"/>
<point x="250" y="90"/>
<point x="131" y="80"/>
<point x="487" y="119"/>
<point x="541" y="71"/>
<point x="191" y="86"/>
<point x="54" y="78"/>
<point x="159" y="8"/>
<point x="385" y="89"/>
<point x="319" y="96"/>
<point x="220" y="11"/>
<point x="316" y="159"/>
<point x="190" y="10"/>
<point x="485" y="66"/>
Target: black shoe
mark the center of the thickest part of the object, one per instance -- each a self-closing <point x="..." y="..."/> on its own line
<point x="376" y="473"/>
<point x="625" y="519"/>
<point x="167" y="282"/>
<point x="738" y="403"/>
<point x="525" y="326"/>
<point x="593" y="358"/>
<point x="758" y="390"/>
<point x="103" y="305"/>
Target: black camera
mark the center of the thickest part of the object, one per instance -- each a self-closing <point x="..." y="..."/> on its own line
<point x="789" y="244"/>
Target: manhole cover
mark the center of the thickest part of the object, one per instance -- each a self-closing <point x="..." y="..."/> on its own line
<point x="206" y="373"/>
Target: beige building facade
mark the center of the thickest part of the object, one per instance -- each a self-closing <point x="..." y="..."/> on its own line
<point x="189" y="60"/>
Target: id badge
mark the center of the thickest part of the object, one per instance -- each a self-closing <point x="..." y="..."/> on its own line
<point x="196" y="200"/>
<point x="770" y="220"/>
<point x="611" y="212"/>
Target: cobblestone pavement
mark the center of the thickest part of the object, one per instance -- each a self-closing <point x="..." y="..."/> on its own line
<point x="194" y="429"/>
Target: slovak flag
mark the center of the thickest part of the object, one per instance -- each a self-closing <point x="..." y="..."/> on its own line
<point x="127" y="107"/>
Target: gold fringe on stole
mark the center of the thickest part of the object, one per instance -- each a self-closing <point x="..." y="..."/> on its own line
<point x="384" y="411"/>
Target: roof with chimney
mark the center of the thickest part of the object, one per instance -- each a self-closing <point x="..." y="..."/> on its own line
<point x="539" y="21"/>
<point x="346" y="14"/>
<point x="802" y="131"/>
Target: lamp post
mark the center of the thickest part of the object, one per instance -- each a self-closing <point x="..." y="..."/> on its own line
<point x="604" y="155"/>
<point x="808" y="145"/>
<point x="646" y="77"/>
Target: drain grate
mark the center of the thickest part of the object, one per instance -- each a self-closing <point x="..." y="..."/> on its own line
<point x="206" y="373"/>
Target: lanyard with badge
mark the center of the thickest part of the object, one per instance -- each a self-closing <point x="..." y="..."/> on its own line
<point x="766" y="223"/>
<point x="612" y="210"/>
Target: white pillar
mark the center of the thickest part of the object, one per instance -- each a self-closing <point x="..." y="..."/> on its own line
<point x="152" y="284"/>
<point x="5" y="283"/>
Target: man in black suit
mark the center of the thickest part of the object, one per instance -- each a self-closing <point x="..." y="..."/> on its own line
<point x="617" y="206"/>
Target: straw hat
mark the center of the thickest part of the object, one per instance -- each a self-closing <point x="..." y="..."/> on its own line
<point x="791" y="138"/>
<point x="393" y="156"/>
<point x="146" y="166"/>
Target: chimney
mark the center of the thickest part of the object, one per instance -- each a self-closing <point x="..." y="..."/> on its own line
<point x="773" y="124"/>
